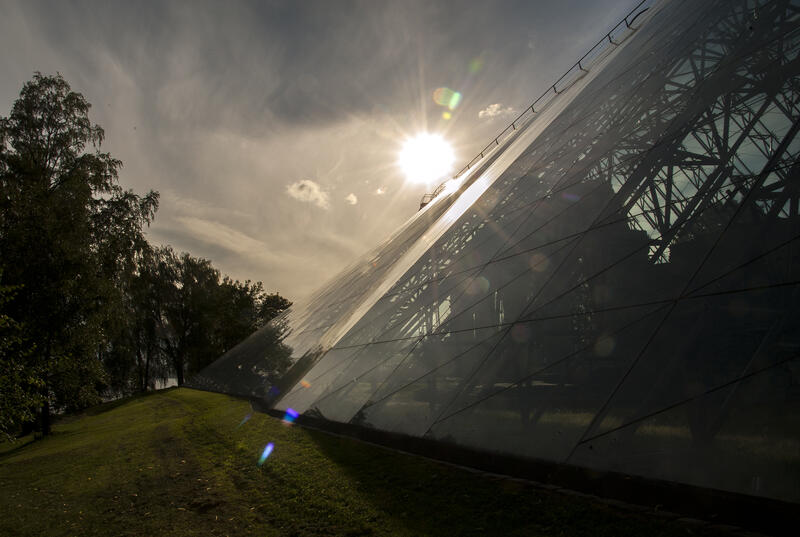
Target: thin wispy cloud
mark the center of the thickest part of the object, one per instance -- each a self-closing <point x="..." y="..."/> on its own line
<point x="225" y="237"/>
<point x="495" y="110"/>
<point x="308" y="191"/>
<point x="233" y="102"/>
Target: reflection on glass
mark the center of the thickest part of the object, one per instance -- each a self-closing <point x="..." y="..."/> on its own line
<point x="615" y="287"/>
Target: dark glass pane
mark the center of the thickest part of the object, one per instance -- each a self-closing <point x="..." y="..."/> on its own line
<point x="703" y="343"/>
<point x="360" y="379"/>
<point x="740" y="437"/>
<point x="419" y="390"/>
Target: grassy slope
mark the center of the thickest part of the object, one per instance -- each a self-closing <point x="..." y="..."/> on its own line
<point x="175" y="463"/>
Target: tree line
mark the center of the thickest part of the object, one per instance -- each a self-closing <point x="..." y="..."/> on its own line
<point x="88" y="308"/>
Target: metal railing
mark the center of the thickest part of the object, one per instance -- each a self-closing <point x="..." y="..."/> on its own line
<point x="578" y="70"/>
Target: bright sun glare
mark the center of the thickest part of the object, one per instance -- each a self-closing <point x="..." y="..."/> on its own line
<point x="426" y="158"/>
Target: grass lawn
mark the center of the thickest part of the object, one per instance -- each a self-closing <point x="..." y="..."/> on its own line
<point x="181" y="462"/>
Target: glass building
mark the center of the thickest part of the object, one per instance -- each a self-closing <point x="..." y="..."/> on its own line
<point x="613" y="284"/>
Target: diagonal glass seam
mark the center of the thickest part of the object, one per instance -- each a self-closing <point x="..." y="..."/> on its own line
<point x="433" y="370"/>
<point x="744" y="264"/>
<point x="688" y="400"/>
<point x="329" y="367"/>
<point x="602" y="409"/>
<point x="572" y="314"/>
<point x="527" y="270"/>
<point x="789" y="136"/>
<point x="331" y="392"/>
<point x="541" y="370"/>
<point x="467" y="198"/>
<point x="575" y="239"/>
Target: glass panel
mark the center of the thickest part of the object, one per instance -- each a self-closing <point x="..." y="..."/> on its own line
<point x="360" y="379"/>
<point x="706" y="342"/>
<point x="740" y="437"/>
<point x="533" y="347"/>
<point x="416" y="394"/>
<point x="407" y="314"/>
<point x="615" y="260"/>
<point x="750" y="257"/>
<point x="434" y="352"/>
<point x="539" y="391"/>
<point x="316" y="381"/>
<point x="502" y="290"/>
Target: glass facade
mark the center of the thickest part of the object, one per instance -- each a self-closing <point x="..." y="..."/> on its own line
<point x="616" y="286"/>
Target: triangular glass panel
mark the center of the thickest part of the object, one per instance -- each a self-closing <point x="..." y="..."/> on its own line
<point x="706" y="342"/>
<point x="716" y="438"/>
<point x="417" y="392"/>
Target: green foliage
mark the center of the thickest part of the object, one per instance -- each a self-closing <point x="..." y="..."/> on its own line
<point x="69" y="234"/>
<point x="203" y="317"/>
<point x="180" y="315"/>
<point x="20" y="384"/>
<point x="95" y="309"/>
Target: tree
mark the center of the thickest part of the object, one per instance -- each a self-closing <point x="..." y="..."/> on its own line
<point x="69" y="237"/>
<point x="20" y="384"/>
<point x="179" y="316"/>
<point x="133" y="357"/>
<point x="242" y="308"/>
<point x="187" y="320"/>
<point x="88" y="305"/>
<point x="202" y="317"/>
<point x="270" y="306"/>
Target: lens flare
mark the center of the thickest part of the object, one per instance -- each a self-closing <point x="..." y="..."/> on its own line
<point x="604" y="346"/>
<point x="447" y="97"/>
<point x="426" y="158"/>
<point x="244" y="420"/>
<point x="475" y="65"/>
<point x="478" y="286"/>
<point x="264" y="454"/>
<point x="290" y="415"/>
<point x="539" y="262"/>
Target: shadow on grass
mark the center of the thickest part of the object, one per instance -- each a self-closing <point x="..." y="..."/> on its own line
<point x="431" y="498"/>
<point x="111" y="405"/>
<point x="9" y="449"/>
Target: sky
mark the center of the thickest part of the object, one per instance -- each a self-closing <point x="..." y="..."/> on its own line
<point x="272" y="129"/>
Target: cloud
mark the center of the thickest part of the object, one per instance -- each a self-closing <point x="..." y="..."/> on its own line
<point x="351" y="199"/>
<point x="495" y="110"/>
<point x="226" y="238"/>
<point x="309" y="191"/>
<point x="230" y="83"/>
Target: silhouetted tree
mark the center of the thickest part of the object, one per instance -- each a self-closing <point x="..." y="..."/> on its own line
<point x="87" y="304"/>
<point x="20" y="384"/>
<point x="69" y="234"/>
<point x="202" y="316"/>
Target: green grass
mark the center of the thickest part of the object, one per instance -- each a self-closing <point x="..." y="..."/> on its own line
<point x="178" y="463"/>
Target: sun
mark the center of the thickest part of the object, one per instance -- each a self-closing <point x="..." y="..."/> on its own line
<point x="426" y="158"/>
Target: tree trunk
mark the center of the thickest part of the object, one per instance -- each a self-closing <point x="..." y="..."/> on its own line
<point x="44" y="415"/>
<point x="141" y="370"/>
<point x="179" y="370"/>
<point x="146" y="380"/>
<point x="45" y="419"/>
